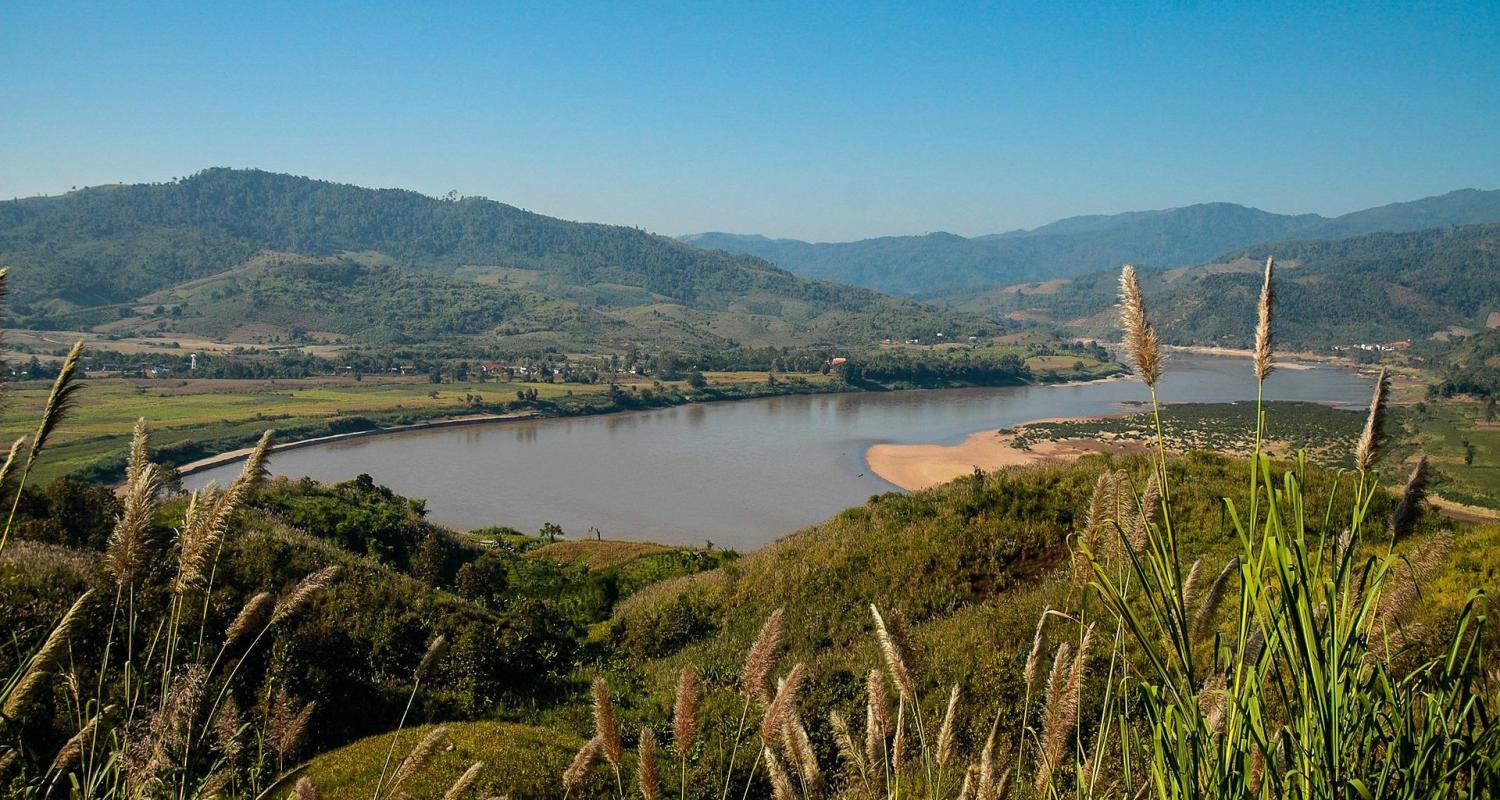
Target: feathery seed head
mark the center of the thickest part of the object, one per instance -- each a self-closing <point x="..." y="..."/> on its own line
<point x="1034" y="658"/>
<point x="755" y="677"/>
<point x="582" y="760"/>
<point x="647" y="772"/>
<point x="877" y="718"/>
<point x="898" y="741"/>
<point x="46" y="660"/>
<point x="306" y="790"/>
<point x="1056" y="725"/>
<point x="606" y="729"/>
<point x="59" y="402"/>
<point x="139" y="457"/>
<point x="1373" y="436"/>
<point x="419" y="757"/>
<point x="895" y="659"/>
<point x="1404" y="519"/>
<point x="465" y="782"/>
<point x="844" y="740"/>
<point x="799" y="746"/>
<point x="945" y="733"/>
<point x="685" y="712"/>
<point x="1263" y="346"/>
<point x="132" y="543"/>
<point x="294" y="600"/>
<point x="72" y="750"/>
<point x="252" y="615"/>
<point x="10" y="460"/>
<point x="1140" y="531"/>
<point x="436" y="649"/>
<point x="781" y="705"/>
<point x="1142" y="344"/>
<point x="781" y="782"/>
<point x="1203" y="619"/>
<point x="1193" y="585"/>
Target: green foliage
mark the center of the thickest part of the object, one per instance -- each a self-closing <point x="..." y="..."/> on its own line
<point x="1325" y="435"/>
<point x="1376" y="288"/>
<point x="241" y="250"/>
<point x="929" y="368"/>
<point x="357" y="515"/>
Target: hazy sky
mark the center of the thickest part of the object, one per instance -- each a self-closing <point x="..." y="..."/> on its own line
<point x="826" y="123"/>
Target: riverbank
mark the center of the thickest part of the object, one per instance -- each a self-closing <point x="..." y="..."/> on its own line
<point x="1282" y="361"/>
<point x="574" y="405"/>
<point x="1325" y="433"/>
<point x="231" y="456"/>
<point x="921" y="466"/>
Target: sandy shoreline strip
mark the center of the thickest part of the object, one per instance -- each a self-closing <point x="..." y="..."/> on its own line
<point x="920" y="466"/>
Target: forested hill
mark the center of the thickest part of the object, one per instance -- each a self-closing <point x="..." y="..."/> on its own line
<point x="946" y="265"/>
<point x="112" y="246"/>
<point x="219" y="217"/>
<point x="1375" y="288"/>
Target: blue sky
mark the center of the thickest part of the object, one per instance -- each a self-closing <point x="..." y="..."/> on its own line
<point x="818" y="121"/>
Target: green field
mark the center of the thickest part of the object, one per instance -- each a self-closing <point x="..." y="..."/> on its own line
<point x="1439" y="429"/>
<point x="177" y="410"/>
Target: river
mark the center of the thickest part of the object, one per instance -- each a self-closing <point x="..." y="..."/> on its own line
<point x="738" y="474"/>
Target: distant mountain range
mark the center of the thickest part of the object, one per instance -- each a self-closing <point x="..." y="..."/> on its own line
<point x="1375" y="288"/>
<point x="944" y="265"/>
<point x="255" y="256"/>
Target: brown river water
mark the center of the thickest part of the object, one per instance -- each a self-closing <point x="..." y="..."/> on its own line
<point x="739" y="474"/>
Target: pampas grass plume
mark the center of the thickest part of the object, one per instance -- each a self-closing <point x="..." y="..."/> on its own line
<point x="685" y="712"/>
<point x="606" y="729"/>
<point x="1263" y="347"/>
<point x="1368" y="450"/>
<point x="649" y="777"/>
<point x="1142" y="344"/>
<point x="755" y="677"/>
<point x="465" y="781"/>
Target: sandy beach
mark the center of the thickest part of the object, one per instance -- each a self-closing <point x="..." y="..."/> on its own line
<point x="1283" y="360"/>
<point x="919" y="466"/>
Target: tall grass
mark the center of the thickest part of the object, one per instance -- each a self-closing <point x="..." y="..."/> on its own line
<point x="1286" y="671"/>
<point x="152" y="712"/>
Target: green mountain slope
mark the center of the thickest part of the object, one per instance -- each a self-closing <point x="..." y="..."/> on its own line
<point x="92" y="255"/>
<point x="1375" y="288"/>
<point x="945" y="265"/>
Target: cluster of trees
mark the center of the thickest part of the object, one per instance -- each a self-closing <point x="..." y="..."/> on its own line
<point x="936" y="368"/>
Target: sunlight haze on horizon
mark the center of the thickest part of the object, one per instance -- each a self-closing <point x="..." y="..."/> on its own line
<point x="827" y="124"/>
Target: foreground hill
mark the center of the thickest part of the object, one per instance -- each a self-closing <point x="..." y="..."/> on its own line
<point x="259" y="253"/>
<point x="1367" y="289"/>
<point x="968" y="566"/>
<point x="945" y="265"/>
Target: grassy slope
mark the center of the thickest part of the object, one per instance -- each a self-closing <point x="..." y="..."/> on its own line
<point x="969" y="564"/>
<point x="520" y="761"/>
